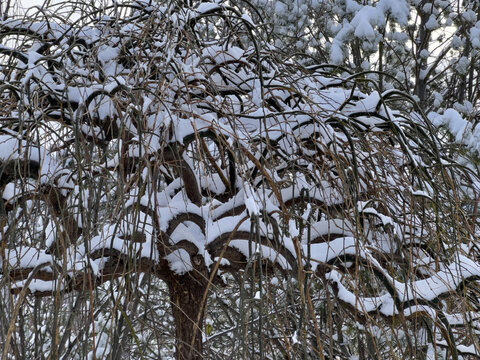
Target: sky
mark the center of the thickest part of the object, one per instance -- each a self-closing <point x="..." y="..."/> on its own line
<point x="29" y="3"/>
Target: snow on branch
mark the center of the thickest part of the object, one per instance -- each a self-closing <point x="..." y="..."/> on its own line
<point x="146" y="144"/>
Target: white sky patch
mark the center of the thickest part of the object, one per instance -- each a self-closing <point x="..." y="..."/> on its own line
<point x="29" y="3"/>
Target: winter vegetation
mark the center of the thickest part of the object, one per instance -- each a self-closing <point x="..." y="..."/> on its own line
<point x="257" y="179"/>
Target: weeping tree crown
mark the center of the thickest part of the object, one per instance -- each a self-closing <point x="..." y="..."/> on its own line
<point x="173" y="141"/>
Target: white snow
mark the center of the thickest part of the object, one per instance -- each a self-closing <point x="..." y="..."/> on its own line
<point x="428" y="289"/>
<point x="432" y="23"/>
<point x="37" y="285"/>
<point x="27" y="257"/>
<point x="266" y="252"/>
<point x="460" y="128"/>
<point x="179" y="261"/>
<point x="251" y="200"/>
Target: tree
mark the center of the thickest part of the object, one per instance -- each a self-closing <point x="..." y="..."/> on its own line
<point x="424" y="47"/>
<point x="176" y="142"/>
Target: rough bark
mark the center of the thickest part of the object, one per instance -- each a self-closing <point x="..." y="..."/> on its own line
<point x="186" y="295"/>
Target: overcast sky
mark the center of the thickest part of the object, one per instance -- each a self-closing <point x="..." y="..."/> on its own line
<point x="28" y="3"/>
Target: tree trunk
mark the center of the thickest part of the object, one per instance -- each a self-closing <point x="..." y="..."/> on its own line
<point x="186" y="294"/>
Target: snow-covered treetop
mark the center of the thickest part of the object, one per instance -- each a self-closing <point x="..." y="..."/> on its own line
<point x="429" y="48"/>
